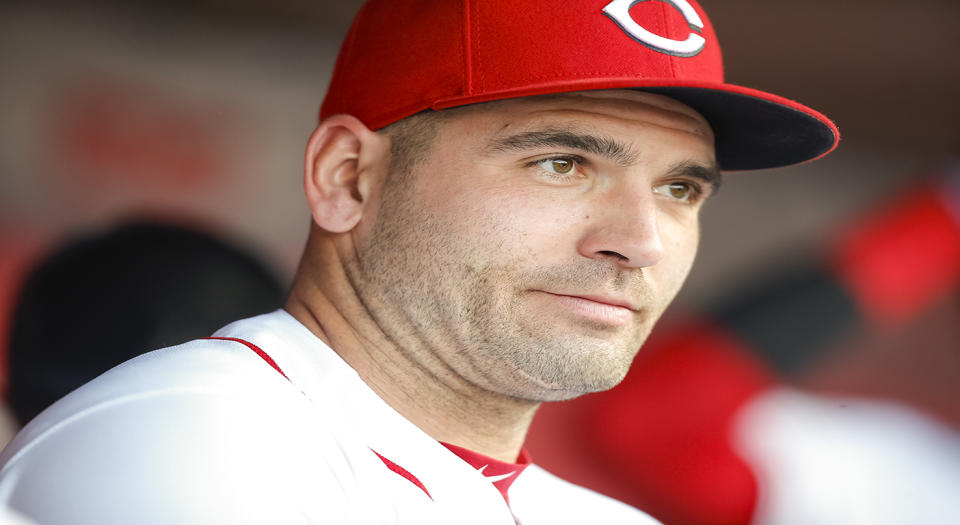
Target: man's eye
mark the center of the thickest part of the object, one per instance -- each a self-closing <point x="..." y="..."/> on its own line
<point x="681" y="191"/>
<point x="559" y="165"/>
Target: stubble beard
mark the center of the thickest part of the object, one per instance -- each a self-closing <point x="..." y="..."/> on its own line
<point x="445" y="303"/>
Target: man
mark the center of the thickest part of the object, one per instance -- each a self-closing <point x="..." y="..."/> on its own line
<point x="463" y="266"/>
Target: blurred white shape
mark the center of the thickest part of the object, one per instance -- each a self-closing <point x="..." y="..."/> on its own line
<point x="825" y="460"/>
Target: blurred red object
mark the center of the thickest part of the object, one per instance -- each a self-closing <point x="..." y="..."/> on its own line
<point x="902" y="259"/>
<point x="667" y="430"/>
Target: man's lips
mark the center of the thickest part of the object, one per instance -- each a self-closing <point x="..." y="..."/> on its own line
<point x="601" y="308"/>
<point x="612" y="301"/>
<point x="602" y="299"/>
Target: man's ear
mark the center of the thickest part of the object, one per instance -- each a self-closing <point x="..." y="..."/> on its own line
<point x="342" y="162"/>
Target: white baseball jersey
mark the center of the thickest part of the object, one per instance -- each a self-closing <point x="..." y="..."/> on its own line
<point x="266" y="425"/>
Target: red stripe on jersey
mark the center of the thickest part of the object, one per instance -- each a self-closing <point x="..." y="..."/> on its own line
<point x="500" y="473"/>
<point x="403" y="472"/>
<point x="263" y="355"/>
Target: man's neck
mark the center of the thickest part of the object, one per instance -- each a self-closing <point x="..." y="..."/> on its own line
<point x="429" y="394"/>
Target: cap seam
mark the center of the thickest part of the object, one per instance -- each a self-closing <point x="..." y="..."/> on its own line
<point x="349" y="44"/>
<point x="476" y="34"/>
<point x="579" y="76"/>
<point x="465" y="48"/>
<point x="666" y="28"/>
<point x="375" y="121"/>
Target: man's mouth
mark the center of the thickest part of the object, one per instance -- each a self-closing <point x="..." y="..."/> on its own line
<point x="599" y="308"/>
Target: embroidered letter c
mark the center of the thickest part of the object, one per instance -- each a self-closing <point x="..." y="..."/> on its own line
<point x="619" y="12"/>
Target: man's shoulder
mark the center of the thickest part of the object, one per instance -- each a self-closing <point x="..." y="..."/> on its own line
<point x="181" y="431"/>
<point x="202" y="370"/>
<point x="541" y="497"/>
<point x="211" y="374"/>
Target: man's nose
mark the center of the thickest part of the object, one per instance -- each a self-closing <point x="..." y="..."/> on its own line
<point x="625" y="228"/>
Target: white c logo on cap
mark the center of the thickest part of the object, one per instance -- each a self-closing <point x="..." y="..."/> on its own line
<point x="619" y="12"/>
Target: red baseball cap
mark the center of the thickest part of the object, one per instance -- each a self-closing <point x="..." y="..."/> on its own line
<point x="401" y="57"/>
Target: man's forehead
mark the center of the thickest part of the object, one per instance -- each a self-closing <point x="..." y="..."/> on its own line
<point x="643" y="98"/>
<point x="617" y="104"/>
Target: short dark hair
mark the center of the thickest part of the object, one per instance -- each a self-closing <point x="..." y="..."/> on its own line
<point x="411" y="139"/>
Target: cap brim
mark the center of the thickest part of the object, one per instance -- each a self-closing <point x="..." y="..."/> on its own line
<point x="754" y="129"/>
<point x="757" y="130"/>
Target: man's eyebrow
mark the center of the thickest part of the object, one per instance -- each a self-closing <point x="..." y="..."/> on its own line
<point x="606" y="147"/>
<point x="708" y="173"/>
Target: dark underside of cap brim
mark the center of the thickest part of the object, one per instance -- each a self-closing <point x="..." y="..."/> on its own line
<point x="754" y="133"/>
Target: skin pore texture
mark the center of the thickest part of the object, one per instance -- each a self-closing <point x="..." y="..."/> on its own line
<point x="522" y="257"/>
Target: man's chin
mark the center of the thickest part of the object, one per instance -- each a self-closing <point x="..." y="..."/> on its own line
<point x="565" y="393"/>
<point x="538" y="389"/>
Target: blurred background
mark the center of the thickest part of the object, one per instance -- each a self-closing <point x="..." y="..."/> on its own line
<point x="196" y="112"/>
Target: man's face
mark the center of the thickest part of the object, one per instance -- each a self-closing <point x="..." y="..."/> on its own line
<point x="533" y="249"/>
